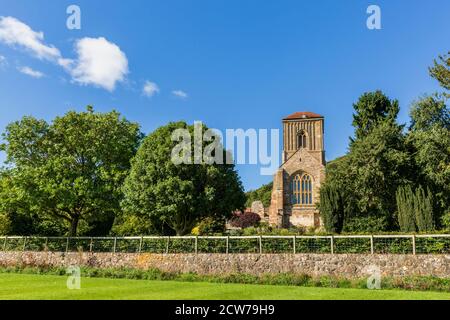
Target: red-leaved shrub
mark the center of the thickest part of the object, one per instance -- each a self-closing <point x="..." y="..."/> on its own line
<point x="245" y="220"/>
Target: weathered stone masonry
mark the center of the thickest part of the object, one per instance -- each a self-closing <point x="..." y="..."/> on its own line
<point x="341" y="265"/>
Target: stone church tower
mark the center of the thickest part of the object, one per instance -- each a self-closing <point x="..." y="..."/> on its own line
<point x="297" y="182"/>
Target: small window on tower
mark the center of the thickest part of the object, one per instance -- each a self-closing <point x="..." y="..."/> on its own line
<point x="301" y="140"/>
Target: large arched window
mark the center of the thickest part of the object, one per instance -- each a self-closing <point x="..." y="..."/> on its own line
<point x="301" y="139"/>
<point x="302" y="189"/>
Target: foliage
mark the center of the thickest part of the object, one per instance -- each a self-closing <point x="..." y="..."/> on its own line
<point x="245" y="220"/>
<point x="366" y="224"/>
<point x="332" y="208"/>
<point x="179" y="195"/>
<point x="4" y="224"/>
<point x="405" y="209"/>
<point x="441" y="70"/>
<point x="446" y="221"/>
<point x="371" y="109"/>
<point x="72" y="169"/>
<point x="423" y="209"/>
<point x="263" y="194"/>
<point x="211" y="226"/>
<point x="429" y="141"/>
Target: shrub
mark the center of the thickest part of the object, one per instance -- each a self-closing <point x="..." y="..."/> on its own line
<point x="371" y="224"/>
<point x="245" y="220"/>
<point x="446" y="221"/>
<point x="210" y="226"/>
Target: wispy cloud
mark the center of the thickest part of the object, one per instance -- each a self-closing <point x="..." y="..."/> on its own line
<point x="30" y="72"/>
<point x="150" y="89"/>
<point x="17" y="34"/>
<point x="3" y="61"/>
<point x="180" y="94"/>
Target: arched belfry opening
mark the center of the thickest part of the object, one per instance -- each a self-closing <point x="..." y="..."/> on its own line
<point x="302" y="139"/>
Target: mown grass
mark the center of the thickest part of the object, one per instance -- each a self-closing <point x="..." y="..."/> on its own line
<point x="417" y="283"/>
<point x="51" y="287"/>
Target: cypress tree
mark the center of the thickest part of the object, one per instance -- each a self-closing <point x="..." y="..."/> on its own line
<point x="406" y="209"/>
<point x="423" y="208"/>
<point x="332" y="208"/>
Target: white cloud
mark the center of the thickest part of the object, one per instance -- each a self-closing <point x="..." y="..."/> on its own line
<point x="30" y="72"/>
<point x="150" y="89"/>
<point x="100" y="63"/>
<point x="3" y="61"/>
<point x="15" y="33"/>
<point x="180" y="94"/>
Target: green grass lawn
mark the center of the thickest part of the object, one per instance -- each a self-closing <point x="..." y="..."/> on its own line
<point x="24" y="286"/>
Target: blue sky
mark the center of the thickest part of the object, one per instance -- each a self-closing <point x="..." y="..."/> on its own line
<point x="242" y="64"/>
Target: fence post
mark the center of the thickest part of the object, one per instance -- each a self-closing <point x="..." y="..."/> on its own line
<point x="167" y="245"/>
<point x="196" y="244"/>
<point x="414" y="244"/>
<point x="371" y="245"/>
<point x="91" y="244"/>
<point x="46" y="244"/>
<point x="140" y="245"/>
<point x="227" y="244"/>
<point x="24" y="243"/>
<point x="4" y="244"/>
<point x="67" y="244"/>
<point x="260" y="244"/>
<point x="332" y="244"/>
<point x="115" y="244"/>
<point x="294" y="244"/>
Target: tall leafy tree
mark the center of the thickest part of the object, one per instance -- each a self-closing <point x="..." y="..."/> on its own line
<point x="405" y="209"/>
<point x="371" y="109"/>
<point x="441" y="70"/>
<point x="379" y="163"/>
<point x="429" y="141"/>
<point x="423" y="208"/>
<point x="332" y="208"/>
<point x="178" y="195"/>
<point x="73" y="168"/>
<point x="376" y="164"/>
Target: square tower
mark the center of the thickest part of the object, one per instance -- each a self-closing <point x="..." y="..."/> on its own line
<point x="303" y="130"/>
<point x="296" y="185"/>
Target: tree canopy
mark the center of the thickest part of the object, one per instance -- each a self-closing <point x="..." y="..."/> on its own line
<point x="178" y="196"/>
<point x="71" y="169"/>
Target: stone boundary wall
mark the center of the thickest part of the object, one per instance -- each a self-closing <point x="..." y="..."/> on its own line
<point x="341" y="265"/>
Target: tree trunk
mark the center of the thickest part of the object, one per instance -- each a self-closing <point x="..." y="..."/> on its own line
<point x="73" y="226"/>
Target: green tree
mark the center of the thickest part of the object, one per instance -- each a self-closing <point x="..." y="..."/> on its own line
<point x="423" y="208"/>
<point x="263" y="194"/>
<point x="179" y="195"/>
<point x="332" y="208"/>
<point x="441" y="70"/>
<point x="73" y="168"/>
<point x="379" y="163"/>
<point x="405" y="209"/>
<point x="429" y="141"/>
<point x="372" y="109"/>
<point x="376" y="164"/>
